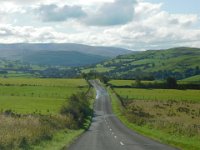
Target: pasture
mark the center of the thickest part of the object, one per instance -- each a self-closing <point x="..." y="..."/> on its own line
<point x="44" y="96"/>
<point x="159" y="94"/>
<point x="193" y="79"/>
<point x="127" y="82"/>
<point x="169" y="115"/>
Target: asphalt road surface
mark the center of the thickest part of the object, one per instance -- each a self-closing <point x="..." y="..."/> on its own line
<point x="108" y="133"/>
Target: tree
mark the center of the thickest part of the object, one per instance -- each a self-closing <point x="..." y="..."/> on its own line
<point x="138" y="82"/>
<point x="104" y="79"/>
<point x="171" y="83"/>
<point x="3" y="72"/>
<point x="77" y="106"/>
<point x="197" y="70"/>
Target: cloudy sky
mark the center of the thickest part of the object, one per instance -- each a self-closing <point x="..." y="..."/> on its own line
<point x="132" y="24"/>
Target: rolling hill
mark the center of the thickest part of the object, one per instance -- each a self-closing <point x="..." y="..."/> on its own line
<point x="66" y="54"/>
<point x="193" y="79"/>
<point x="179" y="62"/>
<point x="8" y="50"/>
<point x="62" y="58"/>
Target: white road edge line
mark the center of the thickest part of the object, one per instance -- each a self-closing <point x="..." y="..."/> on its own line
<point x="122" y="143"/>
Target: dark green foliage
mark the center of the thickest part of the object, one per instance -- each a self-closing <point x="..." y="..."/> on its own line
<point x="104" y="79"/>
<point x="90" y="75"/>
<point x="3" y="72"/>
<point x="78" y="106"/>
<point x="52" y="72"/>
<point x="24" y="144"/>
<point x="171" y="83"/>
<point x="9" y="112"/>
<point x="138" y="82"/>
<point x="183" y="109"/>
<point x="95" y="75"/>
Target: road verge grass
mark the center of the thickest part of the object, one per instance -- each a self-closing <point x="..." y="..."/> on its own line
<point x="60" y="140"/>
<point x="182" y="142"/>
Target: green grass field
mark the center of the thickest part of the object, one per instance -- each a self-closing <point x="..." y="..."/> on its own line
<point x="128" y="82"/>
<point x="159" y="94"/>
<point x="179" y="141"/>
<point x="37" y="95"/>
<point x="168" y="115"/>
<point x="43" y="82"/>
<point x="193" y="79"/>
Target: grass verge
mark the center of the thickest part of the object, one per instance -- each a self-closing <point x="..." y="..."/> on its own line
<point x="61" y="140"/>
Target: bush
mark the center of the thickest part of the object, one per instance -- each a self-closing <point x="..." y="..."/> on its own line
<point x="171" y="83"/>
<point x="78" y="106"/>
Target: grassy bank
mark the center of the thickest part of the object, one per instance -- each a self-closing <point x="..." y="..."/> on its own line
<point x="174" y="138"/>
<point x="61" y="140"/>
<point x="22" y="131"/>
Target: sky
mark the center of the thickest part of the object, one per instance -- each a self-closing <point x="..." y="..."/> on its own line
<point x="131" y="24"/>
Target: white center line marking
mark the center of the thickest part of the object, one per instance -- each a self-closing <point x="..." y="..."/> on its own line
<point x="122" y="143"/>
<point x="110" y="129"/>
<point x="115" y="137"/>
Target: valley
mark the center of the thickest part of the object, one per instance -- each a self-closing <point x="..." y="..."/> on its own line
<point x="99" y="75"/>
<point x="154" y="93"/>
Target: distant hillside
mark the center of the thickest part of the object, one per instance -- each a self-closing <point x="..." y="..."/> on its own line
<point x="16" y="50"/>
<point x="180" y="62"/>
<point x="195" y="79"/>
<point x="62" y="58"/>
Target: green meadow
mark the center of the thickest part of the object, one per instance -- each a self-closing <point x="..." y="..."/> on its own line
<point x="193" y="79"/>
<point x="44" y="96"/>
<point x="170" y="116"/>
<point x="159" y="94"/>
<point x="128" y="82"/>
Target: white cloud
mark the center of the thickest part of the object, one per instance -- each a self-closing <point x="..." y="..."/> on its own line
<point x="112" y="13"/>
<point x="154" y="28"/>
<point x="140" y="25"/>
<point x="55" y="13"/>
<point x="10" y="34"/>
<point x="58" y="2"/>
<point x="116" y="13"/>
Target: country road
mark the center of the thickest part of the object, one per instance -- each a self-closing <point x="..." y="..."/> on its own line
<point x="108" y="133"/>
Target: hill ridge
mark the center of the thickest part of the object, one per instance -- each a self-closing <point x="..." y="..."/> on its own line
<point x="181" y="62"/>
